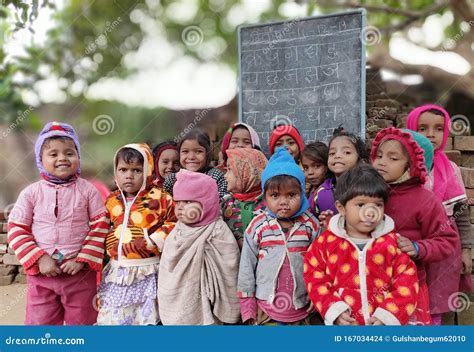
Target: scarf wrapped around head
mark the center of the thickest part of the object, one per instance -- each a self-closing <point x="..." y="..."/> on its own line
<point x="282" y="163"/>
<point x="445" y="186"/>
<point x="247" y="165"/>
<point x="56" y="129"/>
<point x="157" y="151"/>
<point x="228" y="136"/>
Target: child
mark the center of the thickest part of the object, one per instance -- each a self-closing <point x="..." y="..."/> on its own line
<point x="315" y="166"/>
<point x="166" y="159"/>
<point x="198" y="270"/>
<point x="346" y="150"/>
<point x="141" y="217"/>
<point x="400" y="156"/>
<point x="239" y="135"/>
<point x="354" y="272"/>
<point x="244" y="171"/>
<point x="195" y="155"/>
<point x="287" y="135"/>
<point x="271" y="285"/>
<point x="445" y="180"/>
<point x="57" y="230"/>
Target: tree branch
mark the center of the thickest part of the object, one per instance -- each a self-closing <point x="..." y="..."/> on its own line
<point x="439" y="78"/>
<point x="464" y="10"/>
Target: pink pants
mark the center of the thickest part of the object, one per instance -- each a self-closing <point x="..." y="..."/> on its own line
<point x="63" y="299"/>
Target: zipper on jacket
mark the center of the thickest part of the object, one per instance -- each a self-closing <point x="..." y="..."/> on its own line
<point x="292" y="231"/>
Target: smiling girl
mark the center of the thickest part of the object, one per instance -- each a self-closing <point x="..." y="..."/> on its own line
<point x="195" y="155"/>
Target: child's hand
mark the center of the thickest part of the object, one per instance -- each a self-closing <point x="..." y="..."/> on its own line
<point x="324" y="218"/>
<point x="48" y="267"/>
<point x="345" y="319"/>
<point x="374" y="321"/>
<point x="406" y="246"/>
<point x="466" y="261"/>
<point x="72" y="267"/>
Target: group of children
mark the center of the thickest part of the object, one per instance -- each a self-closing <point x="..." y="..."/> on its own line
<point x="317" y="234"/>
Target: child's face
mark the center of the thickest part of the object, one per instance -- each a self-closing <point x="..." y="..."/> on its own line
<point x="314" y="171"/>
<point x="285" y="201"/>
<point x="432" y="127"/>
<point x="391" y="161"/>
<point x="187" y="211"/>
<point x="232" y="181"/>
<point x="240" y="138"/>
<point x="342" y="155"/>
<point x="168" y="163"/>
<point x="362" y="215"/>
<point x="60" y="158"/>
<point x="192" y="155"/>
<point x="293" y="148"/>
<point x="129" y="177"/>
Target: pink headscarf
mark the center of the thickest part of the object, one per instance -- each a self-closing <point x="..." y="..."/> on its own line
<point x="443" y="171"/>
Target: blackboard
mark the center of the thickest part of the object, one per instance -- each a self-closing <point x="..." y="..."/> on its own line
<point x="308" y="72"/>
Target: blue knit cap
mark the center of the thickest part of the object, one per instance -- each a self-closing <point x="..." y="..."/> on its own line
<point x="282" y="163"/>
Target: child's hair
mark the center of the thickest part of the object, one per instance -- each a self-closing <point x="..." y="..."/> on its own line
<point x="203" y="140"/>
<point x="362" y="180"/>
<point x="358" y="143"/>
<point x="277" y="182"/>
<point x="317" y="152"/>
<point x="128" y="155"/>
<point x="55" y="138"/>
<point x="162" y="144"/>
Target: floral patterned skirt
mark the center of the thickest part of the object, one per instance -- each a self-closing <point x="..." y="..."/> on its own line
<point x="128" y="295"/>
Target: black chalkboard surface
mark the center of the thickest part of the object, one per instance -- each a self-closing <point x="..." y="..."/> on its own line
<point x="308" y="72"/>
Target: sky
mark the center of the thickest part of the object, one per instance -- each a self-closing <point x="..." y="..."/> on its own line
<point x="159" y="77"/>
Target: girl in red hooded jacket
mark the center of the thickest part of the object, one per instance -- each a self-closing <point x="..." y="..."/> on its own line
<point x="400" y="156"/>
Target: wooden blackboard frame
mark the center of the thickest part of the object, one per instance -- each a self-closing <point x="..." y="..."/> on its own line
<point x="362" y="12"/>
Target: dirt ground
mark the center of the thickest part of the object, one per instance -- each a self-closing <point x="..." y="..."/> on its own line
<point x="13" y="302"/>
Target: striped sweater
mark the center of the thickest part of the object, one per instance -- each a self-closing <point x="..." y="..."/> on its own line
<point x="49" y="218"/>
<point x="264" y="251"/>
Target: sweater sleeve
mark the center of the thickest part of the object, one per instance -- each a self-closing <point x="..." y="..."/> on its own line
<point x="319" y="284"/>
<point x="161" y="233"/>
<point x="439" y="237"/>
<point x="169" y="182"/>
<point x="218" y="176"/>
<point x="20" y="236"/>
<point x="93" y="247"/>
<point x="399" y="304"/>
<point x="461" y="216"/>
<point x="246" y="284"/>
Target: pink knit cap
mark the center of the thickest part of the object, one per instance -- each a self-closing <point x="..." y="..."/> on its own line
<point x="198" y="187"/>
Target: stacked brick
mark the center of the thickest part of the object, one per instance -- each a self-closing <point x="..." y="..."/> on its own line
<point x="10" y="268"/>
